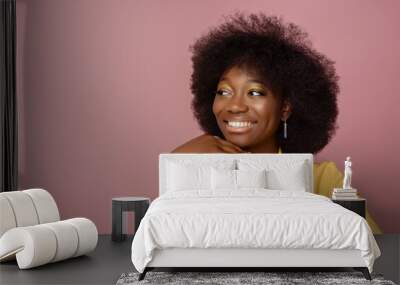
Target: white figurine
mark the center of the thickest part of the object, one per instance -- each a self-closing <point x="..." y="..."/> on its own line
<point x="347" y="174"/>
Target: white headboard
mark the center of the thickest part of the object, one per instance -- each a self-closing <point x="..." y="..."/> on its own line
<point x="209" y="157"/>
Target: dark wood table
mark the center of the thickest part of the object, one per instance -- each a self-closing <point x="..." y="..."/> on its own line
<point x="139" y="205"/>
<point x="356" y="205"/>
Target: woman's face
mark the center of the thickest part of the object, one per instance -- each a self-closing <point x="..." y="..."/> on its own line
<point x="248" y="113"/>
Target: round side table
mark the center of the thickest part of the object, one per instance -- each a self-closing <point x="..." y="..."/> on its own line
<point x="139" y="205"/>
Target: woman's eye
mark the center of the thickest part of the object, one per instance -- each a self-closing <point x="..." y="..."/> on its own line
<point x="222" y="92"/>
<point x="256" y="93"/>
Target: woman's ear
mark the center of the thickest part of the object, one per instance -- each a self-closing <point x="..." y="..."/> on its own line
<point x="286" y="110"/>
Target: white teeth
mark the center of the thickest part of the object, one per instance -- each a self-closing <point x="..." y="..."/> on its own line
<point x="240" y="124"/>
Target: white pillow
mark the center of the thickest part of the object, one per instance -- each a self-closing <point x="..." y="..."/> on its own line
<point x="223" y="179"/>
<point x="186" y="177"/>
<point x="293" y="179"/>
<point x="284" y="175"/>
<point x="251" y="178"/>
<point x="237" y="179"/>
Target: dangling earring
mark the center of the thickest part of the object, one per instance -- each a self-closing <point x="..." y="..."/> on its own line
<point x="284" y="129"/>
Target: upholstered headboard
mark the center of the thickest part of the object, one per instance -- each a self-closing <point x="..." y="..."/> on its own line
<point x="202" y="159"/>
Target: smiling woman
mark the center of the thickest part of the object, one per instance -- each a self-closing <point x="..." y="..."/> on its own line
<point x="260" y="87"/>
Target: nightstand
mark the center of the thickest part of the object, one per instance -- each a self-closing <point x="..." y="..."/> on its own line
<point x="139" y="205"/>
<point x="356" y="205"/>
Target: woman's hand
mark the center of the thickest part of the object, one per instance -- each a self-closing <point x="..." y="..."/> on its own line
<point x="208" y="144"/>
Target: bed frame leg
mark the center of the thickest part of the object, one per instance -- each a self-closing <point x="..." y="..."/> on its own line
<point x="143" y="274"/>
<point x="364" y="271"/>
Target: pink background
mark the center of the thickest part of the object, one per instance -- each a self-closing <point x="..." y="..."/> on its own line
<point x="103" y="88"/>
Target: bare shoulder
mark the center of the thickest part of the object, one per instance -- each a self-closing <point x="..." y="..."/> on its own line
<point x="208" y="143"/>
<point x="185" y="147"/>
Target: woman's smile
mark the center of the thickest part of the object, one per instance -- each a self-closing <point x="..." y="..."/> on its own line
<point x="239" y="127"/>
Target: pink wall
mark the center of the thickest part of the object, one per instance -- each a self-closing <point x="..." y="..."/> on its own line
<point x="103" y="88"/>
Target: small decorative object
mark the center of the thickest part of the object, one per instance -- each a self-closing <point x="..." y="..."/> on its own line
<point x="347" y="192"/>
<point x="347" y="174"/>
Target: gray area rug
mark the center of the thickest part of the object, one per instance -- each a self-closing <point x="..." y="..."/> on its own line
<point x="225" y="278"/>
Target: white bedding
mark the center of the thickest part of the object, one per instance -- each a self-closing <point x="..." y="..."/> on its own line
<point x="250" y="218"/>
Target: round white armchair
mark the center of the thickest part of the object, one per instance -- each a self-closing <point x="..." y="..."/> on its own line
<point x="31" y="230"/>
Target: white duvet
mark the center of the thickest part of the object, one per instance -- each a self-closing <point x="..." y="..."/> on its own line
<point x="250" y="218"/>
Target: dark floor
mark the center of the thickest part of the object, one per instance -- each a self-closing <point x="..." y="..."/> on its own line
<point x="111" y="259"/>
<point x="102" y="266"/>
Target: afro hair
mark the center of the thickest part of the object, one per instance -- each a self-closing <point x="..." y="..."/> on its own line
<point x="284" y="57"/>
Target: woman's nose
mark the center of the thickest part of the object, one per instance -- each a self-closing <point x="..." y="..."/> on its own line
<point x="237" y="104"/>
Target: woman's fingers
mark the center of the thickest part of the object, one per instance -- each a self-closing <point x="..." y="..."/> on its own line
<point x="227" y="149"/>
<point x="228" y="145"/>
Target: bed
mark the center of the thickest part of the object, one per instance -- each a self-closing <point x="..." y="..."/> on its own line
<point x="247" y="210"/>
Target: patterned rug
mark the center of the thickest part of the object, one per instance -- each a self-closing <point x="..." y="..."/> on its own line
<point x="270" y="278"/>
